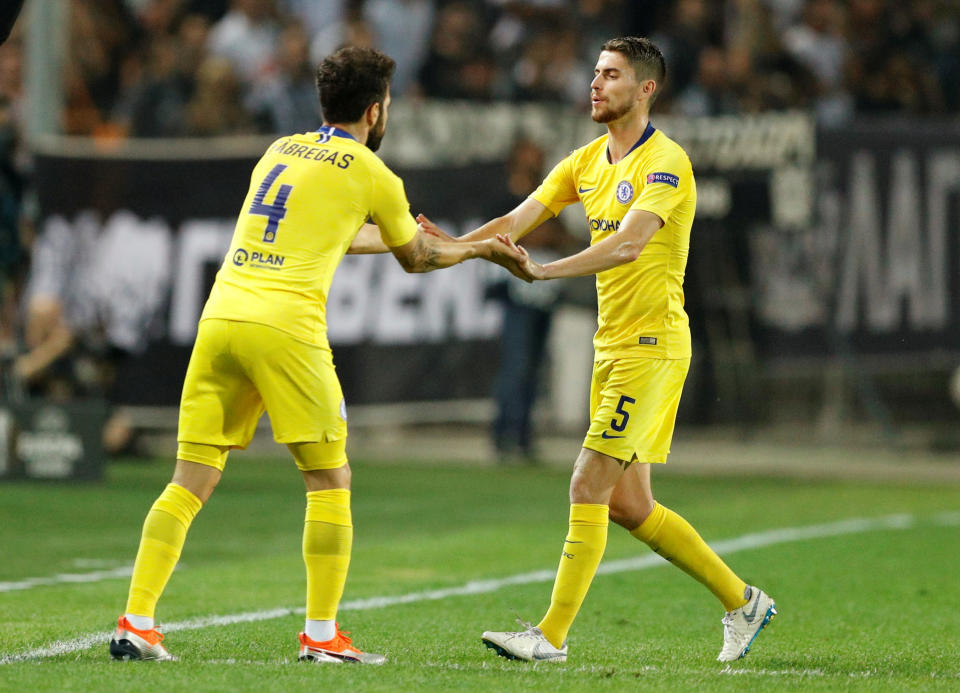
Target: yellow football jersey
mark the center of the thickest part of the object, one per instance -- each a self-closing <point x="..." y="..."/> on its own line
<point x="640" y="311"/>
<point x="309" y="195"/>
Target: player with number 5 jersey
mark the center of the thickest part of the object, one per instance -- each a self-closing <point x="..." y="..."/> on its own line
<point x="262" y="344"/>
<point x="638" y="191"/>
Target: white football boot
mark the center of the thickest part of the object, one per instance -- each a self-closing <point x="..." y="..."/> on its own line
<point x="131" y="643"/>
<point x="529" y="645"/>
<point x="742" y="626"/>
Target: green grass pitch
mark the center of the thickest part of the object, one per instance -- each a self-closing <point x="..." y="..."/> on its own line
<point x="871" y="606"/>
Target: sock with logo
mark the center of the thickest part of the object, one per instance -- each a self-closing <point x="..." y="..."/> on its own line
<point x="582" y="551"/>
<point x="164" y="532"/>
<point x="676" y="540"/>
<point x="327" y="542"/>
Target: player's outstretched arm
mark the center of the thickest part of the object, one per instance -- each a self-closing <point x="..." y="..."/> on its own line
<point x="425" y="253"/>
<point x="622" y="247"/>
<point x="516" y="223"/>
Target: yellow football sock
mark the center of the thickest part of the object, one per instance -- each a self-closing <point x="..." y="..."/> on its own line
<point x="582" y="552"/>
<point x="676" y="540"/>
<point x="164" y="532"/>
<point x="327" y="541"/>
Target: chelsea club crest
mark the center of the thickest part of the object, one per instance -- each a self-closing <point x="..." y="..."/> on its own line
<point x="624" y="191"/>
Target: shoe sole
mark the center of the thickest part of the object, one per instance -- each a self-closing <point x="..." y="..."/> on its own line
<point x="509" y="655"/>
<point x="318" y="658"/>
<point x="124" y="650"/>
<point x="767" y="617"/>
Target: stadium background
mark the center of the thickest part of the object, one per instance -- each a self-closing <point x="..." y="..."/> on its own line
<point x="824" y="267"/>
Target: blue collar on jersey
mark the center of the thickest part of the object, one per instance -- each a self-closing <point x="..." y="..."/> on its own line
<point x="332" y="131"/>
<point x="647" y="134"/>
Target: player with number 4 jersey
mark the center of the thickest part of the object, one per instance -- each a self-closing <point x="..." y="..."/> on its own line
<point x="262" y="344"/>
<point x="638" y="190"/>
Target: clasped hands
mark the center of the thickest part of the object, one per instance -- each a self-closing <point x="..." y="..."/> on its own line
<point x="500" y="249"/>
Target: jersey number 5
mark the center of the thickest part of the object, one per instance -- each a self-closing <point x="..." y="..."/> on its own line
<point x="274" y="211"/>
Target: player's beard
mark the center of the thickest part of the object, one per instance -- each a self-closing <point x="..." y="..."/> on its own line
<point x="608" y="115"/>
<point x="375" y="136"/>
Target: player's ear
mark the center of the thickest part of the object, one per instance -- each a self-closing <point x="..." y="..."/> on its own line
<point x="372" y="114"/>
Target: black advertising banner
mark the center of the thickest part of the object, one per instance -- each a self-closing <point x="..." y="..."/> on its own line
<point x="877" y="274"/>
<point x="143" y="239"/>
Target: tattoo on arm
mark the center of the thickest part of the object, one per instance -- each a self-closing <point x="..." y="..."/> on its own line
<point x="425" y="256"/>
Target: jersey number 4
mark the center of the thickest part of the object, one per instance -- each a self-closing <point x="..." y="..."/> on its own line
<point x="273" y="211"/>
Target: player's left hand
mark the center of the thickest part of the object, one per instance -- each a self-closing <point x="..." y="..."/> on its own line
<point x="506" y="254"/>
<point x="431" y="229"/>
<point x="529" y="270"/>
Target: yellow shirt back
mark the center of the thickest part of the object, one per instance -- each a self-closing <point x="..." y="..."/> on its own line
<point x="309" y="195"/>
<point x="640" y="303"/>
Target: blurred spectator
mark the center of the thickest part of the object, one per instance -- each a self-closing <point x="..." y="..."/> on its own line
<point x="153" y="105"/>
<point x="527" y="315"/>
<point x="216" y="107"/>
<point x="402" y="30"/>
<point x="457" y="40"/>
<point x="550" y="69"/>
<point x="354" y="30"/>
<point x="287" y="101"/>
<point x="691" y="27"/>
<point x="247" y="36"/>
<point x="817" y="43"/>
<point x="11" y="247"/>
<point x="13" y="179"/>
<point x="102" y="34"/>
<point x="318" y="15"/>
<point x="710" y="93"/>
<point x="8" y="16"/>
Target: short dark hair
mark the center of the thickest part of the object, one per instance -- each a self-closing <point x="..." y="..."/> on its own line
<point x="351" y="79"/>
<point x="644" y="56"/>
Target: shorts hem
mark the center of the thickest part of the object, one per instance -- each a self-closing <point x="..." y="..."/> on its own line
<point x="197" y="459"/>
<point x="336" y="464"/>
<point x="634" y="456"/>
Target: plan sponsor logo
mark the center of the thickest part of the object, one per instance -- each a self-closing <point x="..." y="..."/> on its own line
<point x="257" y="259"/>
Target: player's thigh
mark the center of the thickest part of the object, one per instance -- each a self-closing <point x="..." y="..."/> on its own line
<point x="220" y="405"/>
<point x="301" y="393"/>
<point x="634" y="408"/>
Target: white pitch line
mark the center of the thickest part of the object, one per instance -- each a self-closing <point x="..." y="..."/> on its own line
<point x="70" y="578"/>
<point x="745" y="542"/>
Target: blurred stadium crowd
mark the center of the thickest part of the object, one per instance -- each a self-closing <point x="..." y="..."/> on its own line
<point x="163" y="68"/>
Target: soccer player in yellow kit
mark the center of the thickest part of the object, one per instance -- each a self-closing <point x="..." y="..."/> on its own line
<point x="638" y="191"/>
<point x="262" y="344"/>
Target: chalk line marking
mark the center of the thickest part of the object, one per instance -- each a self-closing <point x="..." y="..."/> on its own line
<point x="754" y="540"/>
<point x="64" y="578"/>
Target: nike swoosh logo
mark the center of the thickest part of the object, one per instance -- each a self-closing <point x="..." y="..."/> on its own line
<point x="605" y="435"/>
<point x="582" y="190"/>
<point x="753" y="614"/>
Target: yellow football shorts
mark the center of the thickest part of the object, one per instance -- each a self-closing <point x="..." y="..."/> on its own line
<point x="633" y="407"/>
<point x="237" y="371"/>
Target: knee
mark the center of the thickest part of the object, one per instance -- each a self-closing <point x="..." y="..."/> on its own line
<point x="198" y="479"/>
<point x="631" y="513"/>
<point x="326" y="479"/>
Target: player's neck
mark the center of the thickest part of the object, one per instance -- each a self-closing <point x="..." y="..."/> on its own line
<point x="358" y="131"/>
<point x="624" y="133"/>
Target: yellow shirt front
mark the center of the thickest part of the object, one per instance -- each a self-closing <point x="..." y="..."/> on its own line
<point x="309" y="195"/>
<point x="640" y="303"/>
